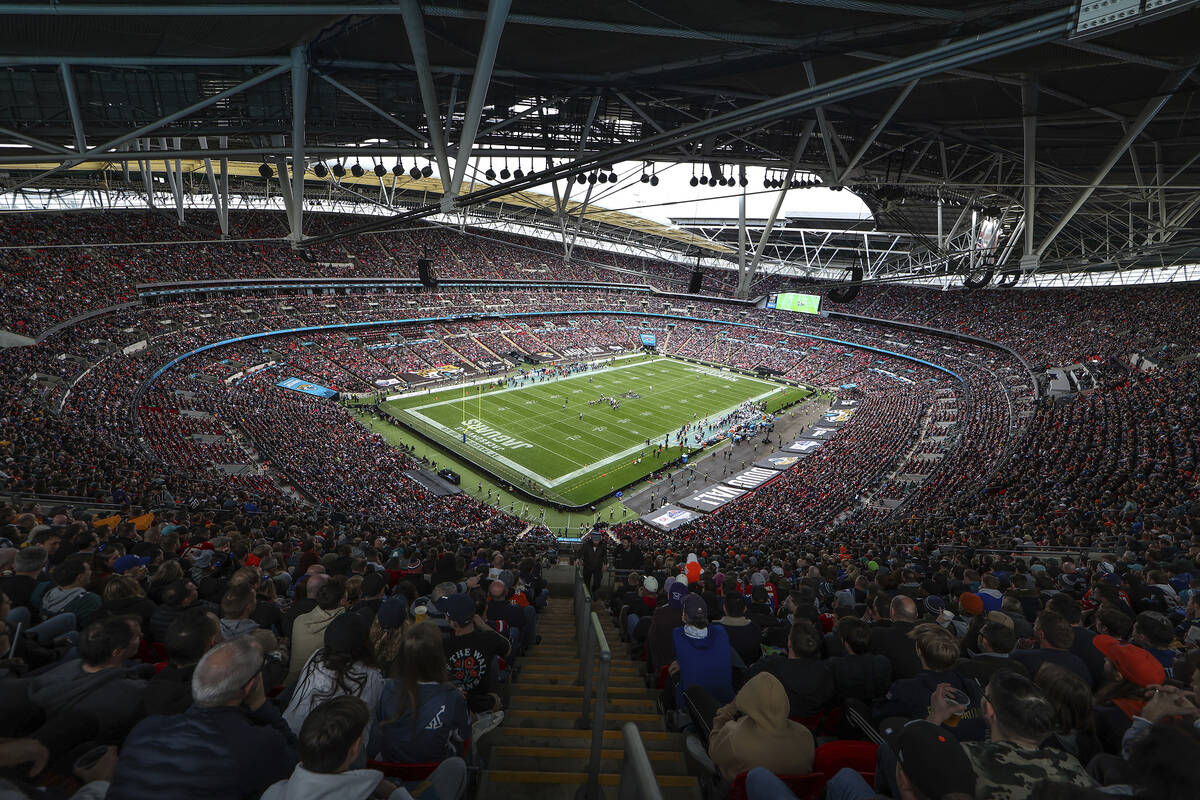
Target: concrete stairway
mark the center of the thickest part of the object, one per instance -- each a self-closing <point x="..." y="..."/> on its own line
<point x="540" y="753"/>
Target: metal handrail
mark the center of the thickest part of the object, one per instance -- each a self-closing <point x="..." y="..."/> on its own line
<point x="591" y="640"/>
<point x="638" y="781"/>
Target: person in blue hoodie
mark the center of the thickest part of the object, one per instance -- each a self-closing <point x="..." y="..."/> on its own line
<point x="421" y="717"/>
<point x="703" y="656"/>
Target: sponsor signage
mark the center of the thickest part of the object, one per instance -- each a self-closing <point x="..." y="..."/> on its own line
<point x="752" y="478"/>
<point x="821" y="432"/>
<point x="712" y="498"/>
<point x="781" y="461"/>
<point x="845" y="404"/>
<point x="306" y="387"/>
<point x="803" y="446"/>
<point x="668" y="518"/>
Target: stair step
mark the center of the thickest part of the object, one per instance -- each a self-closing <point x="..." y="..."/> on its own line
<point x="566" y="719"/>
<point x="555" y="665"/>
<point x="555" y="737"/>
<point x="568" y="703"/>
<point x="576" y="778"/>
<point x="567" y="677"/>
<point x="517" y="758"/>
<point x="568" y="690"/>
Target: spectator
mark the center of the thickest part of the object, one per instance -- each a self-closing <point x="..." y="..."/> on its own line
<point x="97" y="682"/>
<point x="1152" y="632"/>
<point x="754" y="731"/>
<point x="28" y="571"/>
<point x="1129" y="671"/>
<point x="745" y="635"/>
<point x="660" y="638"/>
<point x="1075" y="728"/>
<point x="860" y="674"/>
<point x="1054" y="637"/>
<point x="69" y="593"/>
<point x="309" y="629"/>
<point x="911" y="698"/>
<point x="703" y="657"/>
<point x="472" y="652"/>
<point x="996" y="642"/>
<point x="1013" y="761"/>
<point x="340" y="667"/>
<point x="192" y="634"/>
<point x="176" y="598"/>
<point x="230" y="743"/>
<point x="808" y="683"/>
<point x="929" y="763"/>
<point x="893" y="642"/>
<point x="421" y="716"/>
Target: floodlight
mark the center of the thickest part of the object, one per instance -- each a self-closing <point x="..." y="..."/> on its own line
<point x="357" y="170"/>
<point x="266" y="171"/>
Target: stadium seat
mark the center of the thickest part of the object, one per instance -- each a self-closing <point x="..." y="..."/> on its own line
<point x="805" y="787"/>
<point x="858" y="756"/>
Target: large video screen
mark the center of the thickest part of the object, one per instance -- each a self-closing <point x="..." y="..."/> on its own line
<point x="649" y="340"/>
<point x="792" y="301"/>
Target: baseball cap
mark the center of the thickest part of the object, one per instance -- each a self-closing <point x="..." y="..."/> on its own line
<point x="933" y="760"/>
<point x="694" y="606"/>
<point x="1136" y="665"/>
<point x="458" y="607"/>
<point x="650" y="583"/>
<point x="934" y="604"/>
<point x="128" y="562"/>
<point x="675" y="593"/>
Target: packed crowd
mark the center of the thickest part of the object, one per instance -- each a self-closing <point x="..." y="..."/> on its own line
<point x="904" y="669"/>
<point x="248" y="651"/>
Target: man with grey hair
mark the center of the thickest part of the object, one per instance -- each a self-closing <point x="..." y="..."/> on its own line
<point x="230" y="743"/>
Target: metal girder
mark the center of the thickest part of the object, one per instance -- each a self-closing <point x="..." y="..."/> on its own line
<point x="826" y="130"/>
<point x="169" y="118"/>
<point x="220" y="194"/>
<point x="492" y="29"/>
<point x="1152" y="107"/>
<point x="1006" y="39"/>
<point x="64" y="70"/>
<point x="299" y="112"/>
<point x="47" y="147"/>
<point x="174" y="176"/>
<point x="878" y="129"/>
<point x="353" y="95"/>
<point x="414" y="28"/>
<point x="876" y="7"/>
<point x="371" y="9"/>
<point x="801" y="146"/>
<point x="1029" y="104"/>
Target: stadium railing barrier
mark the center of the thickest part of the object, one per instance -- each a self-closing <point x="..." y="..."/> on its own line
<point x="637" y="776"/>
<point x="590" y="639"/>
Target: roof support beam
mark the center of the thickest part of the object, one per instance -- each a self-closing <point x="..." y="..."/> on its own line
<point x="801" y="146"/>
<point x="299" y="111"/>
<point x="35" y="142"/>
<point x="878" y="129"/>
<point x="826" y="130"/>
<point x="353" y="95"/>
<point x="493" y="27"/>
<point x="978" y="47"/>
<point x="174" y="176"/>
<point x="1029" y="110"/>
<point x="414" y="27"/>
<point x="168" y="119"/>
<point x="73" y="106"/>
<point x="876" y="7"/>
<point x="220" y="195"/>
<point x="1152" y="107"/>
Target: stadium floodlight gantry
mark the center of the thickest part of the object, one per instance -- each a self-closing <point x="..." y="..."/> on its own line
<point x="990" y="141"/>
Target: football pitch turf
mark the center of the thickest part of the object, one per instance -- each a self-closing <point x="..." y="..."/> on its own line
<point x="532" y="435"/>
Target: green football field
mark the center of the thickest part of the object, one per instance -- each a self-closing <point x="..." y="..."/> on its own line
<point x="533" y="435"/>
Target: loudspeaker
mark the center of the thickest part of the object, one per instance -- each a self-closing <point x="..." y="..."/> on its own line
<point x="425" y="273"/>
<point x="694" y="283"/>
<point x="978" y="279"/>
<point x="847" y="292"/>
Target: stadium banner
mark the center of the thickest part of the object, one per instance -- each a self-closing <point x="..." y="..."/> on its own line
<point x="821" y="432"/>
<point x="712" y="498"/>
<point x="650" y="340"/>
<point x="668" y="518"/>
<point x="781" y="460"/>
<point x="837" y="404"/>
<point x="431" y="483"/>
<point x="752" y="478"/>
<point x="387" y="383"/>
<point x="305" y="387"/>
<point x="837" y="417"/>
<point x="803" y="446"/>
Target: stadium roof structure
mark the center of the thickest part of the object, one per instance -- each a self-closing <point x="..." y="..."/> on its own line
<point x="995" y="139"/>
